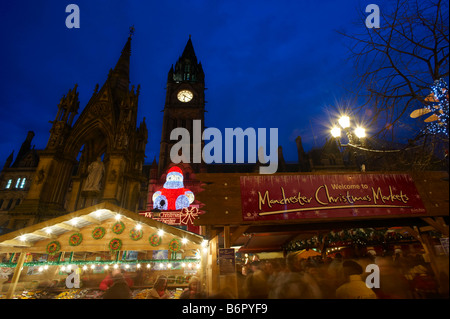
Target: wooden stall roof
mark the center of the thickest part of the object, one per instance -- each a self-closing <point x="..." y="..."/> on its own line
<point x="35" y="238"/>
<point x="221" y="199"/>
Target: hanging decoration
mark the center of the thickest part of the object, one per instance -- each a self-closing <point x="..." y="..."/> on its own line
<point x="115" y="244"/>
<point x="174" y="245"/>
<point x="118" y="227"/>
<point x="75" y="239"/>
<point x="155" y="240"/>
<point x="179" y="280"/>
<point x="437" y="107"/>
<point x="349" y="237"/>
<point x="173" y="195"/>
<point x="53" y="247"/>
<point x="188" y="214"/>
<point x="98" y="232"/>
<point x="136" y="234"/>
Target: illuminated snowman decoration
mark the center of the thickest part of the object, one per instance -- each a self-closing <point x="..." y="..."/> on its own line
<point x="173" y="195"/>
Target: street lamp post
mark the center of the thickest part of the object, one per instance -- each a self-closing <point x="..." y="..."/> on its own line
<point x="355" y="137"/>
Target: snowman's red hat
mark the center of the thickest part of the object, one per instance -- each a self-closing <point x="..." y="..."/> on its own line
<point x="175" y="169"/>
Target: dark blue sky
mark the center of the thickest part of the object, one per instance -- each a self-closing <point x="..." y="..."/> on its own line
<point x="267" y="63"/>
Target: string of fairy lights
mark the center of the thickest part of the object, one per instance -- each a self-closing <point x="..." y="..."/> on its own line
<point x="93" y="264"/>
<point x="86" y="265"/>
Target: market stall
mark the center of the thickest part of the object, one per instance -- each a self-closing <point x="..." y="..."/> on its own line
<point x="69" y="256"/>
<point x="345" y="212"/>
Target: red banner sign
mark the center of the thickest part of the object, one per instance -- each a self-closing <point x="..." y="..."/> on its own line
<point x="272" y="197"/>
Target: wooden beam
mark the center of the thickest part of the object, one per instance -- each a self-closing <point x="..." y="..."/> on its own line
<point x="237" y="233"/>
<point x="16" y="275"/>
<point x="44" y="234"/>
<point x="91" y="219"/>
<point x="438" y="224"/>
<point x="226" y="237"/>
<point x="68" y="227"/>
<point x="15" y="242"/>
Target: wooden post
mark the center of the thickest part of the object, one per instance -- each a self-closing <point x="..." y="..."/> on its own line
<point x="16" y="275"/>
<point x="228" y="282"/>
<point x="226" y="237"/>
<point x="213" y="269"/>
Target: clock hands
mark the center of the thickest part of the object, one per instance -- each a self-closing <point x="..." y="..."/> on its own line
<point x="185" y="96"/>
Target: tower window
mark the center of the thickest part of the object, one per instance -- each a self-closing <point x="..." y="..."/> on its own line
<point x="18" y="182"/>
<point x="8" y="184"/>
<point x="22" y="184"/>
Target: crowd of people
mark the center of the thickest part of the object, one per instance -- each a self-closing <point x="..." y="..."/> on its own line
<point x="399" y="277"/>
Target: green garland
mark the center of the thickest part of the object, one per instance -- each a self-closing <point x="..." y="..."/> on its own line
<point x="98" y="232"/>
<point x="115" y="244"/>
<point x="118" y="228"/>
<point x="99" y="262"/>
<point x="136" y="234"/>
<point x="155" y="240"/>
<point x="346" y="237"/>
<point x="174" y="245"/>
<point x="53" y="247"/>
<point x="75" y="239"/>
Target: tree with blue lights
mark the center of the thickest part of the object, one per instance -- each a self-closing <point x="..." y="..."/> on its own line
<point x="438" y="106"/>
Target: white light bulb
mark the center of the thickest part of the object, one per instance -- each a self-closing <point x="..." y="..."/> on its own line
<point x="360" y="132"/>
<point x="344" y="121"/>
<point x="336" y="132"/>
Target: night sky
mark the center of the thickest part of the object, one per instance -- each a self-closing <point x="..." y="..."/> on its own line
<point x="267" y="63"/>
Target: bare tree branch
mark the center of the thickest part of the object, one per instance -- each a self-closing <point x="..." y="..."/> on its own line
<point x="397" y="63"/>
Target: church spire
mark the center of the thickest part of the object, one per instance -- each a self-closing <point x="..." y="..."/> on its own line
<point x="120" y="75"/>
<point x="187" y="69"/>
<point x="189" y="52"/>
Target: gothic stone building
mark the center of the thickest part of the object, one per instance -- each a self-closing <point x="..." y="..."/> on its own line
<point x="42" y="184"/>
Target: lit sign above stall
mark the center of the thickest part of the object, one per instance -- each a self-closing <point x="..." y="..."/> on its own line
<point x="328" y="196"/>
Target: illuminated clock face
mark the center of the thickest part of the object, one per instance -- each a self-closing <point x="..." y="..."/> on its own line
<point x="185" y="96"/>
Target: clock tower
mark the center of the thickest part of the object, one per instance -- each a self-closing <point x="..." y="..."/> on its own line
<point x="185" y="102"/>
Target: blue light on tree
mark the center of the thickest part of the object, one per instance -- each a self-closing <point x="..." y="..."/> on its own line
<point x="437" y="107"/>
<point x="438" y="121"/>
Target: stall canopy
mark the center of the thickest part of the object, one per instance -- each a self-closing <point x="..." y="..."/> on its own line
<point x="35" y="238"/>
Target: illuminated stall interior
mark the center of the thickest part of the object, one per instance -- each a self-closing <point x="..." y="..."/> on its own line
<point x="96" y="240"/>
